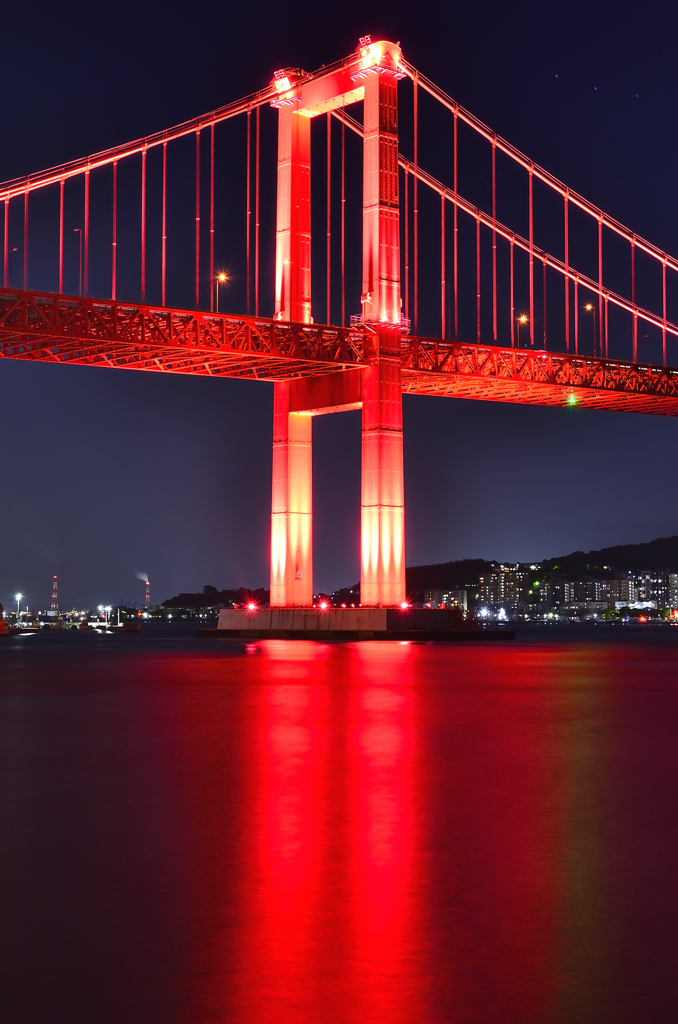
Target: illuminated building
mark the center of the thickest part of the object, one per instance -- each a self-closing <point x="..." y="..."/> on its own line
<point x="506" y="587"/>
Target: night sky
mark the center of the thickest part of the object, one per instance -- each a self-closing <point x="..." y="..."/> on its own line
<point x="106" y="475"/>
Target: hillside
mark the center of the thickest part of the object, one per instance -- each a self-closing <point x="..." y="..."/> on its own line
<point x="661" y="553"/>
<point x="447" y="575"/>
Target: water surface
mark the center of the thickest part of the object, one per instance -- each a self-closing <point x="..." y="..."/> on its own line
<point x="203" y="831"/>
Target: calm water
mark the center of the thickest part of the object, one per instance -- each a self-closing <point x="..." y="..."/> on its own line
<point x="196" y="831"/>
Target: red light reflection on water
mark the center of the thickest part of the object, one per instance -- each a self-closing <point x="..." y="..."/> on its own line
<point x="384" y="899"/>
<point x="328" y="895"/>
<point x="283" y="888"/>
<point x="401" y="845"/>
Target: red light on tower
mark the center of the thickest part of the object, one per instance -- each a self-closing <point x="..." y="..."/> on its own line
<point x="55" y="595"/>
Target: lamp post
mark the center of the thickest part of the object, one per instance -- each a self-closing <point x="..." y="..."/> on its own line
<point x="79" y="230"/>
<point x="105" y="610"/>
<point x="590" y="308"/>
<point x="221" y="279"/>
<point x="523" y="319"/>
<point x="11" y="253"/>
<point x="17" y="598"/>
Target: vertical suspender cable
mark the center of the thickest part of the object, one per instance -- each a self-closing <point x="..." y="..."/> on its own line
<point x="163" y="260"/>
<point x="567" y="277"/>
<point x="143" y="223"/>
<point x="415" y="227"/>
<point x="544" y="295"/>
<point x="513" y="308"/>
<point x="663" y="310"/>
<point x="25" y="284"/>
<point x="197" y="218"/>
<point x="478" y="279"/>
<point x="211" y="218"/>
<point x="114" y="241"/>
<point x="5" y="244"/>
<point x="86" y="259"/>
<point x="607" y="328"/>
<point x="247" y="246"/>
<point x="343" y="224"/>
<point x="329" y="212"/>
<point x="407" y="245"/>
<point x="601" y="312"/>
<point x="633" y="299"/>
<point x="494" y="238"/>
<point x="456" y="233"/>
<point x="576" y="316"/>
<point x="61" y="236"/>
<point x="442" y="267"/>
<point x="256" y="224"/>
<point x="531" y="214"/>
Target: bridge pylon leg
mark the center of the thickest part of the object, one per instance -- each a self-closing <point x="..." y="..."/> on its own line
<point x="382" y="577"/>
<point x="291" y="505"/>
<point x="382" y="522"/>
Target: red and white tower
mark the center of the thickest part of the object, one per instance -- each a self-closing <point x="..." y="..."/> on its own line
<point x="147" y="599"/>
<point x="54" y="607"/>
<point x="371" y="75"/>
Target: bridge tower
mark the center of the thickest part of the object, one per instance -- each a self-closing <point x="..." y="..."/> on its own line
<point x="370" y="75"/>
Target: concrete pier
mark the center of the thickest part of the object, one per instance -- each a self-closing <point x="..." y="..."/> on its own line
<point x="347" y="624"/>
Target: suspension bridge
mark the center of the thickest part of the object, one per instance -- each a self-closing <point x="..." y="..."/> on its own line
<point x="529" y="293"/>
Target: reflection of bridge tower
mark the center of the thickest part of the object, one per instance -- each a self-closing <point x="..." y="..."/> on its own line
<point x="371" y="75"/>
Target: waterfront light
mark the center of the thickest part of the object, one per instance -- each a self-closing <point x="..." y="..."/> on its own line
<point x="17" y="598"/>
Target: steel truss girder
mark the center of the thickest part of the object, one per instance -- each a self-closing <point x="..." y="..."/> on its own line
<point x="90" y="332"/>
<point x="456" y="369"/>
<point x="74" y="329"/>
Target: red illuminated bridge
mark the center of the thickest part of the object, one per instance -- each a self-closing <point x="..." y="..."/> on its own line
<point x="588" y="326"/>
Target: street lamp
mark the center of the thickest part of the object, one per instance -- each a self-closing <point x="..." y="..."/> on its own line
<point x="17" y="598"/>
<point x="221" y="279"/>
<point x="79" y="230"/>
<point x="523" y="319"/>
<point x="105" y="610"/>
<point x="590" y="308"/>
<point x="11" y="253"/>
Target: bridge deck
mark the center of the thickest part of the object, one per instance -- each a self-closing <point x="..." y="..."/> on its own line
<point x="91" y="332"/>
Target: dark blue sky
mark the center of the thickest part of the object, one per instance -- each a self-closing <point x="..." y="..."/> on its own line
<point x="109" y="474"/>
